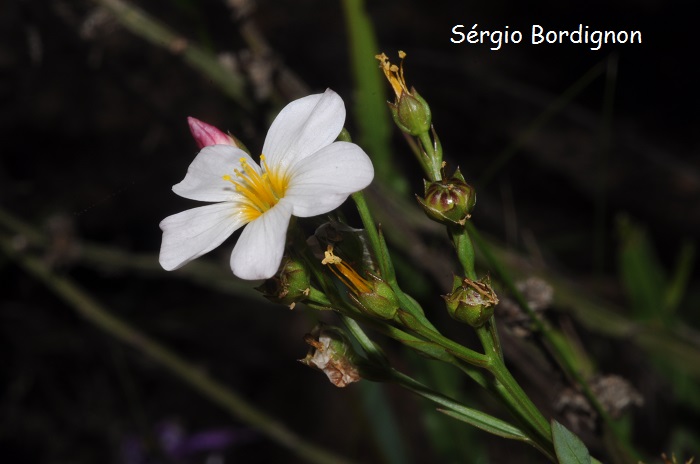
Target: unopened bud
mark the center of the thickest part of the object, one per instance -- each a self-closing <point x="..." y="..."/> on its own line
<point x="206" y="134"/>
<point x="289" y="285"/>
<point x="332" y="353"/>
<point x="471" y="301"/>
<point x="449" y="201"/>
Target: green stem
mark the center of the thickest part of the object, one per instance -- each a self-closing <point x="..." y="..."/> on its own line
<point x="495" y="339"/>
<point x="465" y="249"/>
<point x="510" y="391"/>
<point x="431" y="157"/>
<point x="371" y="229"/>
<point x="521" y="402"/>
<point x="317" y="296"/>
<point x="467" y="355"/>
<point x="374" y="353"/>
<point x="237" y="406"/>
<point x="557" y="351"/>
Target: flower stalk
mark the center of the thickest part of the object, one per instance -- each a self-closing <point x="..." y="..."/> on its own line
<point x="450" y="201"/>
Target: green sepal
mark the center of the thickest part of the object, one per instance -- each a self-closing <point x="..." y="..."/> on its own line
<point x="412" y="113"/>
<point x="448" y="201"/>
<point x="471" y="301"/>
<point x="380" y="302"/>
<point x="291" y="284"/>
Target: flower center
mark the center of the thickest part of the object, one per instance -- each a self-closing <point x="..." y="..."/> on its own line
<point x="260" y="191"/>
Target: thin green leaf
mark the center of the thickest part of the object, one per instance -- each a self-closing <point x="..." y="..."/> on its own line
<point x="569" y="448"/>
<point x="383" y="423"/>
<point x="458" y="411"/>
<point x="640" y="271"/>
<point x="372" y="350"/>
<point x="371" y="113"/>
<point x="488" y="424"/>
<point x="679" y="282"/>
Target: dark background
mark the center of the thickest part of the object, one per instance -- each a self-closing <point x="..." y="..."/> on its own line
<point x="94" y="134"/>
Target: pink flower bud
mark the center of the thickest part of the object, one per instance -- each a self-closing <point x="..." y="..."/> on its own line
<point x="205" y="134"/>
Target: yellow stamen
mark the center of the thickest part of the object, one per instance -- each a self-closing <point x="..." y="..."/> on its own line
<point x="260" y="191"/>
<point x="346" y="274"/>
<point x="394" y="74"/>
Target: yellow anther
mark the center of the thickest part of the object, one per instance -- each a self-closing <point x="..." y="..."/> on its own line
<point x="346" y="274"/>
<point x="330" y="258"/>
<point x="394" y="74"/>
<point x="260" y="190"/>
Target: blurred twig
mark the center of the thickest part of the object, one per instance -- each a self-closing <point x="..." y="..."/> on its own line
<point x="559" y="348"/>
<point x="150" y="29"/>
<point x="371" y="115"/>
<point x="96" y="314"/>
<point x="679" y="345"/>
<point x="557" y="105"/>
<point x="203" y="272"/>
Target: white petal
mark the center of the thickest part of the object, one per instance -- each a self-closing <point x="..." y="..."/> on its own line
<point x="190" y="234"/>
<point x="204" y="179"/>
<point x="303" y="127"/>
<point x="259" y="250"/>
<point x="323" y="181"/>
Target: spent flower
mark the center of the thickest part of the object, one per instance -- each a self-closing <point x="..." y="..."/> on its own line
<point x="410" y="111"/>
<point x="303" y="172"/>
<point x="332" y="353"/>
<point x="372" y="296"/>
<point x="471" y="301"/>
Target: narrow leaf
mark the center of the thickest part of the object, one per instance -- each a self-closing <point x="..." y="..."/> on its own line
<point x="681" y="276"/>
<point x="458" y="411"/>
<point x="371" y="113"/>
<point x="569" y="448"/>
<point x="640" y="270"/>
<point x="486" y="423"/>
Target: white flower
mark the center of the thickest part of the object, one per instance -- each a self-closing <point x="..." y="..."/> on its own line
<point x="302" y="172"/>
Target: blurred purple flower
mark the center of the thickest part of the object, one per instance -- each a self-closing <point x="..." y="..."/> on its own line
<point x="178" y="446"/>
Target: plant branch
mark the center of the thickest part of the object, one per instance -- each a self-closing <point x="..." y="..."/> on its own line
<point x="99" y="316"/>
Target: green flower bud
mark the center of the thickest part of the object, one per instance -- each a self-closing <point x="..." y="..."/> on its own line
<point x="332" y="353"/>
<point x="373" y="297"/>
<point x="380" y="301"/>
<point x="412" y="113"/>
<point x="471" y="301"/>
<point x="448" y="201"/>
<point x="291" y="284"/>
